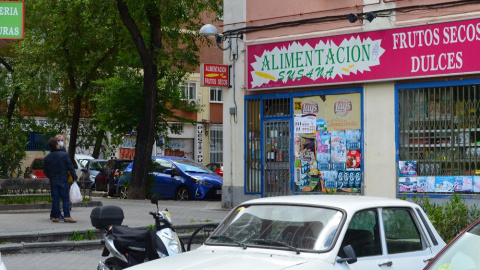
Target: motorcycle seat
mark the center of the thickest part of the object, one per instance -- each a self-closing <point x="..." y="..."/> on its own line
<point x="128" y="234"/>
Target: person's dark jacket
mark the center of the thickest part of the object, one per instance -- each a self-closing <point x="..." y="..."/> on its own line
<point x="56" y="166"/>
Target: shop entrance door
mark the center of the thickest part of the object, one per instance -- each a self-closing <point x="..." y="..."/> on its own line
<point x="276" y="157"/>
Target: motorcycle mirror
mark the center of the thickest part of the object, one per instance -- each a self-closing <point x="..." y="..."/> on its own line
<point x="154" y="200"/>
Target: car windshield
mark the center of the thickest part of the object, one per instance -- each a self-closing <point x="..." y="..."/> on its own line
<point x="83" y="162"/>
<point x="462" y="254"/>
<point x="97" y="165"/>
<point x="124" y="164"/>
<point x="279" y="226"/>
<point x="37" y="164"/>
<point x="187" y="165"/>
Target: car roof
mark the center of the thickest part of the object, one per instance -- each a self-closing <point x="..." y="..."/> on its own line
<point x="171" y="157"/>
<point x="122" y="160"/>
<point x="80" y="156"/>
<point x="347" y="202"/>
<point x="96" y="160"/>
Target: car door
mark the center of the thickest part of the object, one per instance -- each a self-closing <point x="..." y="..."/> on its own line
<point x="164" y="184"/>
<point x="364" y="235"/>
<point x="406" y="242"/>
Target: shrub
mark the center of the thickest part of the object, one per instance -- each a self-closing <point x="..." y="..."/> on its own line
<point x="449" y="218"/>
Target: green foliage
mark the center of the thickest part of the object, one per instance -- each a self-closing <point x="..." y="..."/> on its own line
<point x="449" y="218"/>
<point x="67" y="45"/>
<point x="119" y="102"/>
<point x="90" y="234"/>
<point x="150" y="227"/>
<point x="198" y="220"/>
<point x="20" y="200"/>
<point x="12" y="149"/>
<point x="76" y="236"/>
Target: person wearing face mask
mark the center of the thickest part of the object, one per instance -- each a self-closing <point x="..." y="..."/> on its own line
<point x="61" y="143"/>
<point x="56" y="166"/>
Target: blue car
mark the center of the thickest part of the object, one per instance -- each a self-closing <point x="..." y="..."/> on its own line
<point x="178" y="178"/>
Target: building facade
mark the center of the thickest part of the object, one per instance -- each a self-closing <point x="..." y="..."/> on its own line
<point x="365" y="97"/>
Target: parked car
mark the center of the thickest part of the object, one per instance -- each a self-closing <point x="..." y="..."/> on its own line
<point x="80" y="162"/>
<point x="180" y="179"/>
<point x="107" y="179"/>
<point x="2" y="265"/>
<point x="216" y="167"/>
<point x="315" y="232"/>
<point x="36" y="168"/>
<point x="91" y="170"/>
<point x="461" y="253"/>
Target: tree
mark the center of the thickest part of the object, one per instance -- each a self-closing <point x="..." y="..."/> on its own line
<point x="67" y="46"/>
<point x="164" y="35"/>
<point x="12" y="148"/>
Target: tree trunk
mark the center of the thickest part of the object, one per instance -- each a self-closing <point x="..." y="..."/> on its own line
<point x="98" y="143"/>
<point x="72" y="143"/>
<point x="145" y="137"/>
<point x="146" y="128"/>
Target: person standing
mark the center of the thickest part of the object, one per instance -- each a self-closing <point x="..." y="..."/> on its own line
<point x="56" y="166"/>
<point x="60" y="140"/>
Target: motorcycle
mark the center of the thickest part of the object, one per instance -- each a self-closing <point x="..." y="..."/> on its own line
<point x="129" y="246"/>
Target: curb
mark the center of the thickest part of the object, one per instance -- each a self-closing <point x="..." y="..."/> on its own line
<point x="45" y="206"/>
<point x="21" y="243"/>
<point x="46" y="247"/>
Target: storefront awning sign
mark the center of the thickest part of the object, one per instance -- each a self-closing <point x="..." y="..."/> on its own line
<point x="12" y="20"/>
<point x="400" y="53"/>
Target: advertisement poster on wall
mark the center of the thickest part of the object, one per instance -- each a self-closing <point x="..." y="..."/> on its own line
<point x="327" y="139"/>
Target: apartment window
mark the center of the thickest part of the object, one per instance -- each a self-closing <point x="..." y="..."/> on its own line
<point x="216" y="143"/>
<point x="178" y="128"/>
<point x="216" y="94"/>
<point x="189" y="90"/>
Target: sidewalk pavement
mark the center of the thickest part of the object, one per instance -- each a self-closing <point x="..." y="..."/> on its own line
<point x="135" y="212"/>
<point x="136" y="215"/>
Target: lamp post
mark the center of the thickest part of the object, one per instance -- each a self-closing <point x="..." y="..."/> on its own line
<point x="210" y="30"/>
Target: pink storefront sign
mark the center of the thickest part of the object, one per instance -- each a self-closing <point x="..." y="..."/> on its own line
<point x="401" y="53"/>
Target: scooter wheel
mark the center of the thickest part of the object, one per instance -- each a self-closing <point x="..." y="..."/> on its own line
<point x="115" y="264"/>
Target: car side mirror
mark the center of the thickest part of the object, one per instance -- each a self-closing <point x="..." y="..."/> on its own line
<point x="350" y="256"/>
<point x="172" y="172"/>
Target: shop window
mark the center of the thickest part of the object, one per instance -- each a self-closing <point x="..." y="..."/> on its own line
<point x="216" y="143"/>
<point x="439" y="139"/>
<point x="253" y="151"/>
<point x="327" y="141"/>
<point x="276" y="107"/>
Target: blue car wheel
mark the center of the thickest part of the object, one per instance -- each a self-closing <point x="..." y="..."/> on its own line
<point x="182" y="194"/>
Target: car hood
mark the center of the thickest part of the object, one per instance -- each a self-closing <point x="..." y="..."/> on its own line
<point x="207" y="258"/>
<point x="209" y="177"/>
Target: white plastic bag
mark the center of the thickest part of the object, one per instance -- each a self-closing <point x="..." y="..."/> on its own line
<point x="75" y="194"/>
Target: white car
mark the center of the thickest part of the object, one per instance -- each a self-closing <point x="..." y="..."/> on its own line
<point x="2" y="265"/>
<point x="80" y="163"/>
<point x="315" y="232"/>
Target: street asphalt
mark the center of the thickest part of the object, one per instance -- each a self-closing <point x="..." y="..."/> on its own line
<point x="136" y="215"/>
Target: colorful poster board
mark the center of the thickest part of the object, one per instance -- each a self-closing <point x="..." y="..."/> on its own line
<point x="327" y="143"/>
